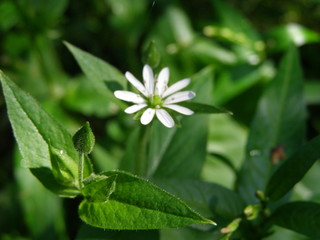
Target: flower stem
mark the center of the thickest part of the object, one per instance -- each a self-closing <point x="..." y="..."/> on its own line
<point x="141" y="158"/>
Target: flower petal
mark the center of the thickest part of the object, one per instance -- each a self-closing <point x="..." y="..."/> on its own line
<point x="148" y="79"/>
<point x="176" y="87"/>
<point x="179" y="97"/>
<point x="136" y="83"/>
<point x="180" y="109"/>
<point x="162" y="81"/>
<point x="147" y="116"/>
<point x="165" y="118"/>
<point x="134" y="108"/>
<point x="129" y="96"/>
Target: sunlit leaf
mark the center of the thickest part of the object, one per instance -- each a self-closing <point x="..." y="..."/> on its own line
<point x="36" y="132"/>
<point x="134" y="203"/>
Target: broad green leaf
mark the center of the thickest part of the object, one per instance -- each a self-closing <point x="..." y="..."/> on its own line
<point x="136" y="203"/>
<point x="293" y="169"/>
<point x="87" y="232"/>
<point x="209" y="199"/>
<point x="100" y="73"/>
<point x="278" y="122"/>
<point x="302" y="217"/>
<point x="84" y="140"/>
<point x="186" y="150"/>
<point x="37" y="133"/>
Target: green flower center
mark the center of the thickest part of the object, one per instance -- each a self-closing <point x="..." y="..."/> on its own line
<point x="155" y="101"/>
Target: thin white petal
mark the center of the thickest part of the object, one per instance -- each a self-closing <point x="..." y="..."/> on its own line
<point x="165" y="118"/>
<point x="180" y="97"/>
<point x="148" y="79"/>
<point x="147" y="116"/>
<point x="134" y="108"/>
<point x="136" y="83"/>
<point x="162" y="81"/>
<point x="180" y="109"/>
<point x="129" y="96"/>
<point x="176" y="87"/>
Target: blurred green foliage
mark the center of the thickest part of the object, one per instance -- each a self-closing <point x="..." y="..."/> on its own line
<point x="241" y="41"/>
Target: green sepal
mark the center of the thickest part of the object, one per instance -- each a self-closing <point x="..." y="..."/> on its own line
<point x="83" y="139"/>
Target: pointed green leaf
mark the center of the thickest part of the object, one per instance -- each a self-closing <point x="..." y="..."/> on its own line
<point x="100" y="73"/>
<point x="37" y="134"/>
<point x="84" y="140"/>
<point x="302" y="217"/>
<point x="293" y="170"/>
<point x="136" y="203"/>
<point x="278" y="122"/>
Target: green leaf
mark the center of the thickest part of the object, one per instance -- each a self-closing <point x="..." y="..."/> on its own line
<point x="203" y="108"/>
<point x="302" y="217"/>
<point x="136" y="203"/>
<point x="38" y="136"/>
<point x="293" y="170"/>
<point x="278" y="122"/>
<point x="99" y="73"/>
<point x="84" y="140"/>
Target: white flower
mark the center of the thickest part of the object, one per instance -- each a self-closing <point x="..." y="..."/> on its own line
<point x="155" y="96"/>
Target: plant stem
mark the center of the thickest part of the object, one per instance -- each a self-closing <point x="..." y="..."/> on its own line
<point x="80" y="170"/>
<point x="141" y="165"/>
